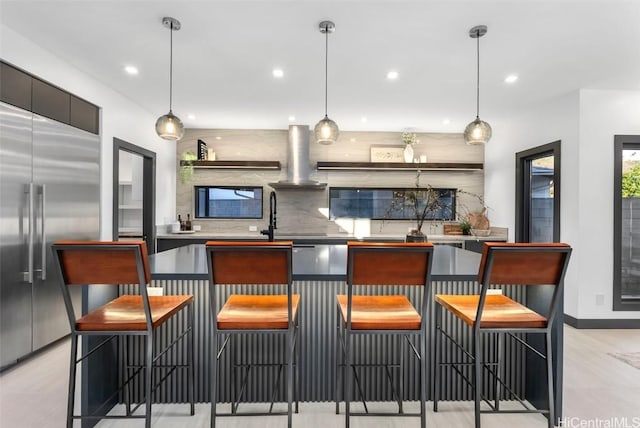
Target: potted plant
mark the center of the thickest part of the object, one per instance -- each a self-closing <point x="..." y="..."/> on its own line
<point x="421" y="202"/>
<point x="465" y="227"/>
<point x="186" y="166"/>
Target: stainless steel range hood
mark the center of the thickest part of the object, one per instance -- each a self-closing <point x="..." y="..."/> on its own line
<point x="298" y="169"/>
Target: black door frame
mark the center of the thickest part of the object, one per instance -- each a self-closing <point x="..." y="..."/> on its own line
<point x="537" y="297"/>
<point x="148" y="193"/>
<point x="620" y="142"/>
<point x="523" y="175"/>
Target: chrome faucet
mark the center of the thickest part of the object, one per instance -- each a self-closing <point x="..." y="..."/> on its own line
<point x="272" y="217"/>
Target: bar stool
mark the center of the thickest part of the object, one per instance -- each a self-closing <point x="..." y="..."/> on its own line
<point x="383" y="264"/>
<point x="253" y="264"/>
<point x="525" y="264"/>
<point x="82" y="263"/>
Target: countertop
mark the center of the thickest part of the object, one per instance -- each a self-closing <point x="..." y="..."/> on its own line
<point x="310" y="262"/>
<point x="326" y="238"/>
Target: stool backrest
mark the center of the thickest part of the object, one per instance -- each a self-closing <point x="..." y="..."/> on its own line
<point x="102" y="262"/>
<point x="250" y="262"/>
<point x="389" y="263"/>
<point x="523" y="263"/>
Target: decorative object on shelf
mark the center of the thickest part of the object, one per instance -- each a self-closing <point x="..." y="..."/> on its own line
<point x="186" y="166"/>
<point x="384" y="154"/>
<point x="169" y="126"/>
<point x="326" y="130"/>
<point x="202" y="150"/>
<point x="409" y="139"/>
<point x="478" y="131"/>
<point x="211" y="155"/>
<point x="408" y="153"/>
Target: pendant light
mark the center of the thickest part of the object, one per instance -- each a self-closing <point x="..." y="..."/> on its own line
<point x="478" y="131"/>
<point x="326" y="130"/>
<point x="169" y="126"/>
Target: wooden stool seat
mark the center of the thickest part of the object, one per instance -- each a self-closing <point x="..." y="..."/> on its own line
<point x="499" y="311"/>
<point x="380" y="313"/>
<point x="126" y="313"/>
<point x="257" y="312"/>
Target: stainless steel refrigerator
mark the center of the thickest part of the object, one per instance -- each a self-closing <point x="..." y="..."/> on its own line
<point x="49" y="190"/>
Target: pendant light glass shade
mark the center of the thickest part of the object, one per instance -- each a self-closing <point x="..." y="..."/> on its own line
<point x="478" y="131"/>
<point x="326" y="130"/>
<point x="169" y="126"/>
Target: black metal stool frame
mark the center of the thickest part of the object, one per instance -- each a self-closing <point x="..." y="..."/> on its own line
<point x="345" y="333"/>
<point x="291" y="341"/>
<point x="150" y="360"/>
<point x="485" y="281"/>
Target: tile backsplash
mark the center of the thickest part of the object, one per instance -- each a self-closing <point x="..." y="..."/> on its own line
<point x="305" y="211"/>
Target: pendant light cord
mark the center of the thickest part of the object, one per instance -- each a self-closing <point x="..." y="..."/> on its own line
<point x="170" y="66"/>
<point x="326" y="67"/>
<point x="478" y="74"/>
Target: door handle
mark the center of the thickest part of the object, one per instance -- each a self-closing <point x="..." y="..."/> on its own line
<point x="30" y="237"/>
<point x="43" y="224"/>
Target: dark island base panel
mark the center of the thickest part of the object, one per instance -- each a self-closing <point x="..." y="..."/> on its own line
<point x="317" y="348"/>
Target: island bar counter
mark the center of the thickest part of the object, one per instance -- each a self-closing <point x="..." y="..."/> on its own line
<point x="319" y="273"/>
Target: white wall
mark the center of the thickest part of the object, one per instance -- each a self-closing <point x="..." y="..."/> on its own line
<point x="603" y="114"/>
<point x="120" y="117"/>
<point x="586" y="123"/>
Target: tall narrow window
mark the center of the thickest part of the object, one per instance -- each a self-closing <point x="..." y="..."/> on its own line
<point x="626" y="234"/>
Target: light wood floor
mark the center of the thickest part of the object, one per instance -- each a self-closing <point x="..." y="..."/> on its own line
<point x="598" y="390"/>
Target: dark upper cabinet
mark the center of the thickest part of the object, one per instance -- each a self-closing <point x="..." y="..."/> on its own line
<point x="84" y="115"/>
<point x="50" y="101"/>
<point x="23" y="90"/>
<point x="15" y="87"/>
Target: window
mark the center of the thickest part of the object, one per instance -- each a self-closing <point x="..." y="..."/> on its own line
<point x="626" y="224"/>
<point x="228" y="202"/>
<point x="387" y="204"/>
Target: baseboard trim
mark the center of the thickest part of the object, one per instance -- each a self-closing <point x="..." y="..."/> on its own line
<point x="602" y="323"/>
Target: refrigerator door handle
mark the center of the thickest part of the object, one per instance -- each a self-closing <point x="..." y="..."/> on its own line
<point x="30" y="222"/>
<point x="44" y="230"/>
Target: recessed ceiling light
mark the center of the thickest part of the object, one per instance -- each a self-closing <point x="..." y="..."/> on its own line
<point x="511" y="78"/>
<point x="277" y="73"/>
<point x="446" y="121"/>
<point x="292" y="118"/>
<point x="191" y="116"/>
<point x="353" y="140"/>
<point x="130" y="69"/>
<point x="218" y="138"/>
<point x="392" y="75"/>
<point x="363" y="119"/>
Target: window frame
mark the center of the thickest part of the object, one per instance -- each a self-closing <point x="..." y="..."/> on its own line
<point x="397" y="189"/>
<point x="243" y="187"/>
<point x="621" y="143"/>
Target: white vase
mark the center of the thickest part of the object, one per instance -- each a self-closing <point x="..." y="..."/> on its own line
<point x="408" y="153"/>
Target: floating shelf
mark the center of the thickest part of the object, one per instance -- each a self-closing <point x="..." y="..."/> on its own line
<point x="275" y="165"/>
<point x="373" y="166"/>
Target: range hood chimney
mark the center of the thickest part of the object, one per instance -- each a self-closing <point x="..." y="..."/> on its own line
<point x="298" y="161"/>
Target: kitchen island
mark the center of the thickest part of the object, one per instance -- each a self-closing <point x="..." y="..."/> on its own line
<point x="319" y="273"/>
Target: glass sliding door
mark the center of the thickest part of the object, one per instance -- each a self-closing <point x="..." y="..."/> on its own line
<point x="538" y="194"/>
<point x="626" y="269"/>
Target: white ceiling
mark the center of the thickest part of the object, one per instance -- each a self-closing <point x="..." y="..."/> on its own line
<point x="226" y="50"/>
